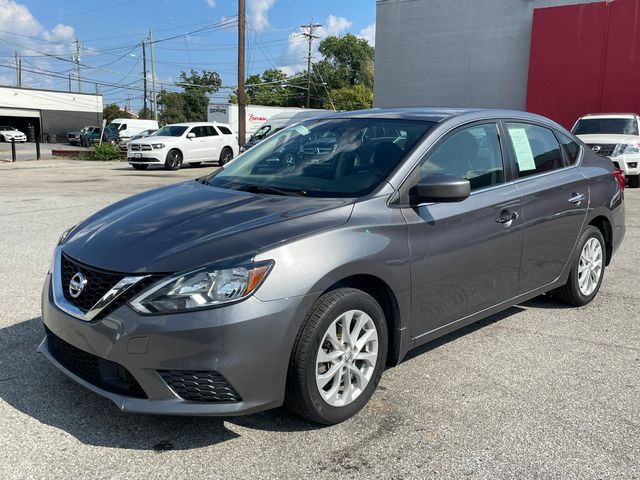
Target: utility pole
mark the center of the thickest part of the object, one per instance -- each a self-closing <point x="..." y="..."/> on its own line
<point x="76" y="59"/>
<point x="242" y="118"/>
<point x="153" y="79"/>
<point x="69" y="82"/>
<point x="144" y="76"/>
<point x="308" y="33"/>
<point x="18" y="70"/>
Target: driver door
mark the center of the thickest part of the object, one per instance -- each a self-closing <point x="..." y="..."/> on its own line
<point x="465" y="256"/>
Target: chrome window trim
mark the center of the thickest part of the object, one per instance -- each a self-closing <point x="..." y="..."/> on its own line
<point x="63" y="304"/>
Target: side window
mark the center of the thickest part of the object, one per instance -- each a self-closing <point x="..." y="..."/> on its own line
<point x="123" y="126"/>
<point x="571" y="149"/>
<point x="473" y="153"/>
<point x="211" y="132"/>
<point x="197" y="131"/>
<point x="536" y="149"/>
<point x="224" y="130"/>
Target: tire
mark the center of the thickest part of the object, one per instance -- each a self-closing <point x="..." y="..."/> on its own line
<point x="3" y="139"/>
<point x="634" y="181"/>
<point x="173" y="160"/>
<point x="139" y="166"/>
<point x="572" y="293"/>
<point x="226" y="155"/>
<point x="303" y="392"/>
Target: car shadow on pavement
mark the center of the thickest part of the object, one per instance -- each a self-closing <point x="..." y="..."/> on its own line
<point x="30" y="384"/>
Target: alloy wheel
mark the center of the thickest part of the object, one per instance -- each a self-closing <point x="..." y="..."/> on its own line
<point x="590" y="266"/>
<point x="347" y="358"/>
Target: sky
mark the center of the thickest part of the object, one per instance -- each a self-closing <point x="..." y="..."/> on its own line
<point x="198" y="34"/>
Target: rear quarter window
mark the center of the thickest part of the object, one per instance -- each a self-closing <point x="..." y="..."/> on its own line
<point x="224" y="130"/>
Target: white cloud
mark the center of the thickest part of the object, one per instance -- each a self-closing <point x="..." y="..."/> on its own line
<point x="211" y="3"/>
<point x="294" y="60"/>
<point x="258" y="11"/>
<point x="369" y="34"/>
<point x="16" y="18"/>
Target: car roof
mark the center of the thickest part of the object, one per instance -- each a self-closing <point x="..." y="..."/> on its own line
<point x="610" y="115"/>
<point x="195" y="124"/>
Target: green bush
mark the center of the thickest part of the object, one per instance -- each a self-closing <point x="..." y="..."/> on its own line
<point x="106" y="151"/>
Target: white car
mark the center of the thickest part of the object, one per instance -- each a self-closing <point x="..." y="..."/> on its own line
<point x="181" y="143"/>
<point x="8" y="133"/>
<point x="613" y="135"/>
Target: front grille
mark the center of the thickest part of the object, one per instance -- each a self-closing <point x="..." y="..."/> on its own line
<point x="146" y="148"/>
<point x="102" y="373"/>
<point x="200" y="386"/>
<point x="606" y="149"/>
<point x="135" y="147"/>
<point x="98" y="283"/>
<point x="317" y="150"/>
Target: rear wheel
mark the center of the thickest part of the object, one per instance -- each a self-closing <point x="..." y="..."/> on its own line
<point x="338" y="357"/>
<point x="226" y="155"/>
<point x="139" y="166"/>
<point x="587" y="270"/>
<point x="634" y="181"/>
<point x="174" y="160"/>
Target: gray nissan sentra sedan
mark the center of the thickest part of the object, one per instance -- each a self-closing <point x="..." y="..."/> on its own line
<point x="294" y="274"/>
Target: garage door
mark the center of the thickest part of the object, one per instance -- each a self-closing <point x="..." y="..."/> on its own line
<point x="19" y="112"/>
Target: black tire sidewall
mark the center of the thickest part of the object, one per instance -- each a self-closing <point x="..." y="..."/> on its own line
<point x="167" y="162"/>
<point x="356" y="301"/>
<point x="590" y="232"/>
<point x="223" y="160"/>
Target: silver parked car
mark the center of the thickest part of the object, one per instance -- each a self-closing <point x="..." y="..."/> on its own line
<point x="293" y="274"/>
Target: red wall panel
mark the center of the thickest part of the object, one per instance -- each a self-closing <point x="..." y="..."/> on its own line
<point x="585" y="59"/>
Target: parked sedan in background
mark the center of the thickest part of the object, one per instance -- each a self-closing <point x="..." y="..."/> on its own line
<point x="9" y="133"/>
<point x="180" y="143"/>
<point x="271" y="282"/>
<point x="614" y="135"/>
<point x="145" y="133"/>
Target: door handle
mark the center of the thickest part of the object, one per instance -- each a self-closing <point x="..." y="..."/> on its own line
<point x="576" y="198"/>
<point x="506" y="218"/>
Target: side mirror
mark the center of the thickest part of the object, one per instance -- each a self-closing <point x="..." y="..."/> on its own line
<point x="191" y="135"/>
<point x="440" y="188"/>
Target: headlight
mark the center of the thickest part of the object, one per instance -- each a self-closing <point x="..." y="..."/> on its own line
<point x="203" y="288"/>
<point x="633" y="148"/>
<point x="158" y="145"/>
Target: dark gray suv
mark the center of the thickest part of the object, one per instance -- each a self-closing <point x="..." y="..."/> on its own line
<point x="296" y="272"/>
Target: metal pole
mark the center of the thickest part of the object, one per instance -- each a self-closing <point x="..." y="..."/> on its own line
<point x="77" y="59"/>
<point x="13" y="149"/>
<point x="69" y="82"/>
<point x="153" y="79"/>
<point x="144" y="76"/>
<point x="37" y="147"/>
<point x="242" y="118"/>
<point x="309" y="34"/>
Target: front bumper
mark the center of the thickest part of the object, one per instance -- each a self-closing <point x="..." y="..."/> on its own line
<point x="247" y="343"/>
<point x="629" y="164"/>
<point x="146" y="156"/>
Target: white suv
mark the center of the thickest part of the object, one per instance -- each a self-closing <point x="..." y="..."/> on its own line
<point x="180" y="143"/>
<point x="613" y="135"/>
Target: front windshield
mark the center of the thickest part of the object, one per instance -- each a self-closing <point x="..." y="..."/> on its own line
<point x="344" y="157"/>
<point x="616" y="126"/>
<point x="171" y="131"/>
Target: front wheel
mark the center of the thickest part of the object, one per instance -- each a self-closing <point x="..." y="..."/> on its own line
<point x="225" y="156"/>
<point x="587" y="270"/>
<point x="338" y="357"/>
<point x="174" y="160"/>
<point x="634" y="181"/>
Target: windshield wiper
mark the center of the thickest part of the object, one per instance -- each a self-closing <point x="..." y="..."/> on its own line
<point x="272" y="190"/>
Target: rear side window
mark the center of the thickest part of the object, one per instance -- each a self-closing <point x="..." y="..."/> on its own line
<point x="211" y="132"/>
<point x="224" y="130"/>
<point x="571" y="149"/>
<point x="535" y="148"/>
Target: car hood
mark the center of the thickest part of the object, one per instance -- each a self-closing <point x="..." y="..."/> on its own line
<point x="154" y="139"/>
<point x="608" y="138"/>
<point x="189" y="224"/>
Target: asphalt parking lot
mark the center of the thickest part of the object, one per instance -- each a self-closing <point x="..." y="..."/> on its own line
<point x="538" y="391"/>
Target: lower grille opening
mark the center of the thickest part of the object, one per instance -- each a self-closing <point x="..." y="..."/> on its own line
<point x="102" y="373"/>
<point x="200" y="386"/>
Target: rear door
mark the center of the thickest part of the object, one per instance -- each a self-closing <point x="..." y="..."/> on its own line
<point x="555" y="199"/>
<point x="465" y="256"/>
<point x="214" y="143"/>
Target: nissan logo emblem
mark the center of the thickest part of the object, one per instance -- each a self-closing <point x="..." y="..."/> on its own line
<point x="77" y="284"/>
<point x="595" y="148"/>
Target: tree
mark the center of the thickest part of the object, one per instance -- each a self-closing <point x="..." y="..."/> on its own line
<point x="348" y="61"/>
<point x="196" y="86"/>
<point x="173" y="107"/>
<point x="351" y="98"/>
<point x="111" y="111"/>
<point x="145" y="114"/>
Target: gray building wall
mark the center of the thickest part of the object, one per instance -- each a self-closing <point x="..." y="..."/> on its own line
<point x="458" y="53"/>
